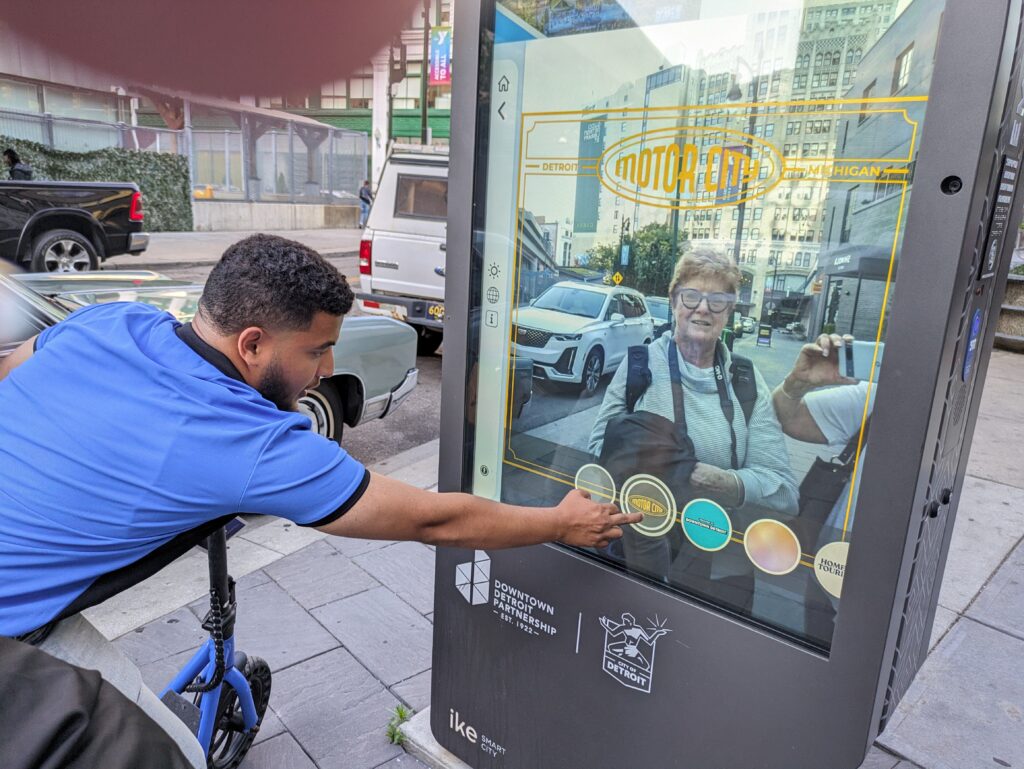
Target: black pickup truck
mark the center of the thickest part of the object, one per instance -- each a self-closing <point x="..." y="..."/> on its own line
<point x="69" y="226"/>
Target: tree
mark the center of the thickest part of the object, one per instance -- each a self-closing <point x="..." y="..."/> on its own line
<point x="651" y="259"/>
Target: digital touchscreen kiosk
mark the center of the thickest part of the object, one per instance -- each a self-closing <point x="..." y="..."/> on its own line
<point x="682" y="199"/>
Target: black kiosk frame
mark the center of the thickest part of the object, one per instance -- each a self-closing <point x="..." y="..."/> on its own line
<point x="521" y="672"/>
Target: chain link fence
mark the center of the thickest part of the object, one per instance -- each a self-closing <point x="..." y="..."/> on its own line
<point x="283" y="168"/>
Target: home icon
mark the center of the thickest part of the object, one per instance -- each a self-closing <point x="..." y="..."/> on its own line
<point x="503" y="84"/>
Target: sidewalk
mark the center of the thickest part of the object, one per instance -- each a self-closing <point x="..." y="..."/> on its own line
<point x="182" y="249"/>
<point x="346" y="625"/>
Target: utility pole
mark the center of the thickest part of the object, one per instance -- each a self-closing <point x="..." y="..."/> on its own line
<point x="424" y="75"/>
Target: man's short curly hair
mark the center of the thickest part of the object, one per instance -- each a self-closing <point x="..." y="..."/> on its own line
<point x="273" y="283"/>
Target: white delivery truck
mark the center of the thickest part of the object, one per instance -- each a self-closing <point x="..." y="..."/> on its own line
<point x="402" y="252"/>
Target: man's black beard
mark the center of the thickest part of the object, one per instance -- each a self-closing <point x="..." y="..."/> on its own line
<point x="274" y="388"/>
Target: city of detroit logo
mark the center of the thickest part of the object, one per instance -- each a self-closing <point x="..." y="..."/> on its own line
<point x="629" y="650"/>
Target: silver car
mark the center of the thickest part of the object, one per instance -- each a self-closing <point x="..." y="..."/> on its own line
<point x="374" y="361"/>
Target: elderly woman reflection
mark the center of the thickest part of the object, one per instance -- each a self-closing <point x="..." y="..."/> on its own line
<point x="744" y="466"/>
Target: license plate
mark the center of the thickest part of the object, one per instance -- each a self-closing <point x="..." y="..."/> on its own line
<point x="436" y="311"/>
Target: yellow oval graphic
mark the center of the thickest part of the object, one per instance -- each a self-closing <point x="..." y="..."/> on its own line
<point x="690" y="167"/>
<point x="646" y="505"/>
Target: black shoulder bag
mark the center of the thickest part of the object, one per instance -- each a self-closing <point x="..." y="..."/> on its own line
<point x="822" y="485"/>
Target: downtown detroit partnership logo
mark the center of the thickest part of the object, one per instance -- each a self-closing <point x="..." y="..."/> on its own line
<point x="524" y="611"/>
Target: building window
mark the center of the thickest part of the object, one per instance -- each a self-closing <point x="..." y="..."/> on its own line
<point x="360" y="91"/>
<point x="869" y="91"/>
<point x="792" y="128"/>
<point x="334" y="95"/>
<point x="901" y="71"/>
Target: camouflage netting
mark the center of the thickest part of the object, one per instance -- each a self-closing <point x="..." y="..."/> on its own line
<point x="162" y="177"/>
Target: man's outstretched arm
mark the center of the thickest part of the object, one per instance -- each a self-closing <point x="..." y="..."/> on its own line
<point x="390" y="509"/>
<point x="21" y="354"/>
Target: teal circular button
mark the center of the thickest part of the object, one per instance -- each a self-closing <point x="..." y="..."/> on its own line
<point x="706" y="524"/>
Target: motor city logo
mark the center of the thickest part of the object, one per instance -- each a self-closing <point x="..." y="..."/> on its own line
<point x="690" y="167"/>
<point x="513" y="605"/>
<point x="629" y="650"/>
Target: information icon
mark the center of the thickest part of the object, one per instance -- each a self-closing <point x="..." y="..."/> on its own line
<point x="650" y="496"/>
<point x="706" y="525"/>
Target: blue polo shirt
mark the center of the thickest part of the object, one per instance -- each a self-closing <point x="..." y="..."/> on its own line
<point x="118" y="434"/>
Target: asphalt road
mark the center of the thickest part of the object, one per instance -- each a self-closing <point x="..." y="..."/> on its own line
<point x="416" y="422"/>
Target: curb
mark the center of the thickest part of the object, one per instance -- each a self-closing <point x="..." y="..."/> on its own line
<point x="202" y="262"/>
<point x="421" y="745"/>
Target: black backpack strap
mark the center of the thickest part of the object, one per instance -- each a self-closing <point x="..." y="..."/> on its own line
<point x="744" y="384"/>
<point x="638" y="375"/>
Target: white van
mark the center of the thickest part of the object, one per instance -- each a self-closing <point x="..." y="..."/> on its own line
<point x="402" y="252"/>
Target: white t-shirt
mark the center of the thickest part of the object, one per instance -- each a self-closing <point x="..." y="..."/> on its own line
<point x="838" y="412"/>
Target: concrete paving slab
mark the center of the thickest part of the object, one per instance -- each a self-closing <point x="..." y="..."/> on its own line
<point x="336" y="710"/>
<point x="281" y="752"/>
<point x="271" y="726"/>
<point x="965" y="710"/>
<point x="164" y="637"/>
<point x="944" y="619"/>
<point x="415" y="691"/>
<point x="403" y="762"/>
<point x="1001" y="603"/>
<point x="989" y="458"/>
<point x="352" y="546"/>
<point x="385" y="634"/>
<point x="282" y="536"/>
<point x="990" y="522"/>
<point x="272" y="625"/>
<point x="879" y="759"/>
<point x="158" y="674"/>
<point x="319" y="574"/>
<point x="416" y="466"/>
<point x="407" y="568"/>
<point x="183" y="581"/>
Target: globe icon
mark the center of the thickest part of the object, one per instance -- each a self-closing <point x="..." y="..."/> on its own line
<point x="492" y="295"/>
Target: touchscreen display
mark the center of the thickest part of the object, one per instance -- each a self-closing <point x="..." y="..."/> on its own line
<point x="686" y="247"/>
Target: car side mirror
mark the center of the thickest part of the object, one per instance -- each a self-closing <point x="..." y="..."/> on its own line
<point x="617" y="318"/>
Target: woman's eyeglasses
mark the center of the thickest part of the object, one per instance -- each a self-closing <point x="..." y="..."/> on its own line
<point x="691" y="298"/>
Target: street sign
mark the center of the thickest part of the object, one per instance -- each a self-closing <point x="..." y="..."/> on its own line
<point x="617" y="278"/>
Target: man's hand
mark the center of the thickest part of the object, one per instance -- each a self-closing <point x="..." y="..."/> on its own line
<point x="817" y="365"/>
<point x="591" y="524"/>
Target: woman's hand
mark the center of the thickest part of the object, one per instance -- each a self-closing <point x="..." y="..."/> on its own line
<point x="817" y="365"/>
<point x="724" y="487"/>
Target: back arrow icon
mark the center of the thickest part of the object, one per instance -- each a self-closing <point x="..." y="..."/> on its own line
<point x="502" y="114"/>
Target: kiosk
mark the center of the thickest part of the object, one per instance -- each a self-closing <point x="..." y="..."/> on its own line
<point x="849" y="163"/>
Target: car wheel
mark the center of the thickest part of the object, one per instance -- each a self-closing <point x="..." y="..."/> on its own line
<point x="323" y="408"/>
<point x="63" y="251"/>
<point x="593" y="367"/>
<point x="428" y="341"/>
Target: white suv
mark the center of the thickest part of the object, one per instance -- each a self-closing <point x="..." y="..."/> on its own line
<point x="576" y="332"/>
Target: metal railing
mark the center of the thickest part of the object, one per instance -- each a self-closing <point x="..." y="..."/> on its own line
<point x="284" y="168"/>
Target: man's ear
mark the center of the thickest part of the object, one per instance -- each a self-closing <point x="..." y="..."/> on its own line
<point x="252" y="343"/>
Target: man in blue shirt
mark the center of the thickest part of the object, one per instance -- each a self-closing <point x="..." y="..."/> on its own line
<point x="124" y="429"/>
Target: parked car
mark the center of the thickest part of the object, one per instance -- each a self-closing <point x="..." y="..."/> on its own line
<point x="660" y="308"/>
<point x="374" y="361"/>
<point x="69" y="226"/>
<point x="749" y="324"/>
<point x="577" y="332"/>
<point x="402" y="252"/>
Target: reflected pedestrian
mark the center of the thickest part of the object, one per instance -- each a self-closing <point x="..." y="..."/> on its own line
<point x="19" y="170"/>
<point x="365" y="199"/>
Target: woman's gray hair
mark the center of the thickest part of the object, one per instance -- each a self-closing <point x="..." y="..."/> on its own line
<point x="706" y="262"/>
